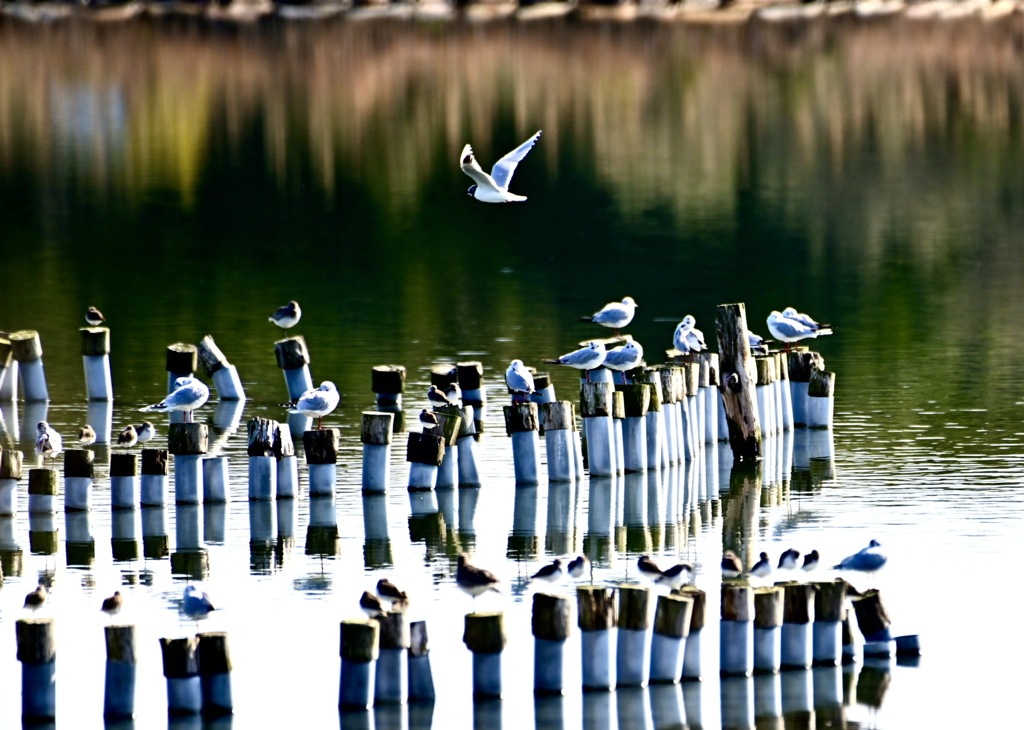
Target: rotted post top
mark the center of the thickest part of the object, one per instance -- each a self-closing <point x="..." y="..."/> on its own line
<point x="182" y="357"/>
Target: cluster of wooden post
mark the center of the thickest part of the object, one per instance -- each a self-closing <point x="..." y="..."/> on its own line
<point x="197" y="671"/>
<point x="384" y="661"/>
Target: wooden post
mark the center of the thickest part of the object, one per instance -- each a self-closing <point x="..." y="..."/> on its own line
<point x="27" y="350"/>
<point x="709" y="381"/>
<point x="224" y="374"/>
<point x="96" y="360"/>
<point x="800" y="364"/>
<point x="78" y="476"/>
<point x="595" y="607"/>
<point x="450" y="421"/>
<point x="671" y="383"/>
<point x="188" y="442"/>
<point x="737" y="629"/>
<point x="872" y="618"/>
<point x="119" y="684"/>
<point x="466" y="445"/>
<point x="829" y="602"/>
<point x="820" y="399"/>
<point x="10" y="472"/>
<point x="768" y="605"/>
<point x="653" y="418"/>
<point x="321" y="447"/>
<point x="42" y="491"/>
<point x="153" y="483"/>
<point x="425" y="452"/>
<point x="470" y="375"/>
<point x="668" y="640"/>
<point x="558" y="440"/>
<point x="8" y="371"/>
<point x="388" y="383"/>
<point x="692" y="665"/>
<point x="391" y="685"/>
<point x="293" y="359"/>
<point x="550" y="625"/>
<point x="764" y="366"/>
<point x="633" y="658"/>
<point x="215" y="673"/>
<point x="287" y="465"/>
<point x="263" y="434"/>
<point x="785" y="393"/>
<point x="636" y="400"/>
<point x="522" y="424"/>
<point x="738" y="380"/>
<point x="37" y="652"/>
<point x="359" y="650"/>
<point x="375" y="436"/>
<point x="484" y="636"/>
<point x="797" y="620"/>
<point x="181" y="360"/>
<point x="596" y="409"/>
<point x="421" y="679"/>
<point x="124" y="480"/>
<point x="691" y="410"/>
<point x="543" y="392"/>
<point x="181" y="672"/>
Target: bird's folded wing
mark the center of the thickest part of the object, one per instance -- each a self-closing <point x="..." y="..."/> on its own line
<point x="503" y="168"/>
<point x="472" y="168"/>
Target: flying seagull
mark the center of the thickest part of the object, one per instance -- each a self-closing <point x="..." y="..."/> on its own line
<point x="493" y="188"/>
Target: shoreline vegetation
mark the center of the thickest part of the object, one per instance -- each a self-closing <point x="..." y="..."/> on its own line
<point x="433" y="11"/>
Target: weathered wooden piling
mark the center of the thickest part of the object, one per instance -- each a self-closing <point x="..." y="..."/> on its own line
<point x="671" y="384"/>
<point x="216" y="482"/>
<point x="42" y="491"/>
<point x="124" y="480"/>
<point x="765" y="389"/>
<point x="375" y="435"/>
<point x="484" y="636"/>
<point x="550" y="625"/>
<point x="736" y="693"/>
<point x="321" y="447"/>
<point x="78" y="477"/>
<point x="293" y="359"/>
<point x="784" y="391"/>
<point x="469" y="375"/>
<point x="8" y="370"/>
<point x="797" y="620"/>
<point x="391" y="681"/>
<point x="27" y="350"/>
<point x="654" y="419"/>
<point x="469" y="476"/>
<point x="595" y="616"/>
<point x="387" y="382"/>
<point x="557" y="417"/>
<point x="522" y="426"/>
<point x="692" y="665"/>
<point x="181" y="672"/>
<point x="709" y="383"/>
<point x="633" y="656"/>
<point x="359" y="651"/>
<point x="800" y="364"/>
<point x="668" y="640"/>
<point x="37" y="652"/>
<point x="287" y="465"/>
<point x="424" y="452"/>
<point x="96" y="360"/>
<point x="543" y="392"/>
<point x="181" y="360"/>
<point x="872" y="618"/>
<point x="737" y="630"/>
<point x="119" y="680"/>
<point x="821" y="399"/>
<point x="10" y="472"/>
<point x="739" y="381"/>
<point x="153" y="482"/>
<point x="768" y="609"/>
<point x="599" y="427"/>
<point x="421" y="678"/>
<point x="618" y="418"/>
<point x="263" y="434"/>
<point x="187" y="442"/>
<point x="224" y="374"/>
<point x="691" y="411"/>
<point x="827" y="639"/>
<point x="215" y="673"/>
<point x="450" y="422"/>
<point x="636" y="401"/>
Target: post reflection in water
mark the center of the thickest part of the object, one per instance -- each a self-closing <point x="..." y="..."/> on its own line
<point x="558" y="536"/>
<point x="377" y="545"/>
<point x="597" y="542"/>
<point x="737" y="701"/>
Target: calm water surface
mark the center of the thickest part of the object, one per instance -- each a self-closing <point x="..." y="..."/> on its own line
<point x="188" y="179"/>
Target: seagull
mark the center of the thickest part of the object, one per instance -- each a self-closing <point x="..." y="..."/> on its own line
<point x="810" y="561"/>
<point x="550" y="573"/>
<point x="614" y="314"/>
<point x="586" y="358"/>
<point x="389" y="591"/>
<point x="94" y="317"/>
<point x="647" y="568"/>
<point x="35" y="600"/>
<point x="731" y="565"/>
<point x="806" y="319"/>
<point x="519" y="380"/>
<point x="788" y="330"/>
<point x="687" y="338"/>
<point x="428" y="420"/>
<point x="454" y="394"/>
<point x="787" y="561"/>
<point x="112" y="605"/>
<point x="145" y="431"/>
<point x="371" y="605"/>
<point x="86" y="435"/>
<point x="128" y="437"/>
<point x="758" y="344"/>
<point x="318" y="402"/>
<point x="578" y="566"/>
<point x="473" y="580"/>
<point x="287" y="316"/>
<point x="189" y="393"/>
<point x="762" y="568"/>
<point x="196" y="603"/>
<point x="437" y="398"/>
<point x="625" y="357"/>
<point x="48" y="442"/>
<point x="678" y="575"/>
<point x="493" y="188"/>
<point x="867" y="560"/>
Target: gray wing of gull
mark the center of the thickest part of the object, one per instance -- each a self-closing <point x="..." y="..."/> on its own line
<point x="316" y="401"/>
<point x="584" y="357"/>
<point x="790" y="328"/>
<point x="517" y="381"/>
<point x="502" y="171"/>
<point x="614" y="313"/>
<point x="469" y="165"/>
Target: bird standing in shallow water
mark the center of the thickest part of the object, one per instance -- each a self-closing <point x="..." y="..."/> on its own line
<point x="287" y="316"/>
<point x="112" y="605"/>
<point x="550" y="573"/>
<point x="35" y="600"/>
<point x="473" y="580"/>
<point x="196" y="603"/>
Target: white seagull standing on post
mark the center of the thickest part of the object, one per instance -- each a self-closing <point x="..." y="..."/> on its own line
<point x="614" y="314"/>
<point x="586" y="358"/>
<point x="687" y="338"/>
<point x="519" y="380"/>
<point x="48" y="442"/>
<point x="318" y="402"/>
<point x="493" y="188"/>
<point x="188" y="394"/>
<point x="624" y="358"/>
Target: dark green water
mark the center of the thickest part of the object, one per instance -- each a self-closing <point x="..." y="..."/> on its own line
<point x="188" y="179"/>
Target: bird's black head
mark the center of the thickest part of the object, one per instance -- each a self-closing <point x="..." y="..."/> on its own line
<point x="471" y="191"/>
